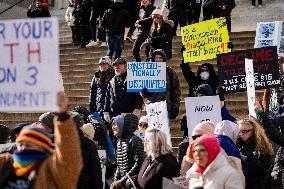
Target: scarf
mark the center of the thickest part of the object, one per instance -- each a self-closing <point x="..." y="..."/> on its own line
<point x="27" y="160"/>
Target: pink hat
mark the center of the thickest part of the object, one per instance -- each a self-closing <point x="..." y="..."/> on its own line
<point x="204" y="127"/>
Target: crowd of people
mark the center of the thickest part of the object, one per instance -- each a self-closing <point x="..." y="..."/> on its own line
<point x="61" y="149"/>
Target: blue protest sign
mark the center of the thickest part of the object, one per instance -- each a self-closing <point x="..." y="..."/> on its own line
<point x="150" y="75"/>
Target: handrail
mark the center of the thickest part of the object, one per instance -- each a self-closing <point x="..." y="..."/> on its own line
<point x="11" y="6"/>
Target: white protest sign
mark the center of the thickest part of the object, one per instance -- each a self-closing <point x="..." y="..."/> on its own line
<point x="103" y="159"/>
<point x="198" y="109"/>
<point x="181" y="181"/>
<point x="270" y="34"/>
<point x="29" y="68"/>
<point x="150" y="75"/>
<point x="250" y="85"/>
<point x="158" y="117"/>
<point x="140" y="134"/>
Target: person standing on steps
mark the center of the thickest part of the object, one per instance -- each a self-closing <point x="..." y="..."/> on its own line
<point x="226" y="8"/>
<point x="114" y="22"/>
<point x="38" y="10"/>
<point x="132" y="6"/>
<point x="146" y="10"/>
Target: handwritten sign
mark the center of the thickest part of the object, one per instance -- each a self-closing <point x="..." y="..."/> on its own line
<point x="270" y="34"/>
<point x="231" y="68"/>
<point x="29" y="68"/>
<point x="103" y="160"/>
<point x="158" y="117"/>
<point x="198" y="109"/>
<point x="140" y="134"/>
<point x="250" y="86"/>
<point x="150" y="75"/>
<point x="205" y="40"/>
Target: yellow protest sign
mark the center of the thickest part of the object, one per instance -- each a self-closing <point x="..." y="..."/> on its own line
<point x="205" y="40"/>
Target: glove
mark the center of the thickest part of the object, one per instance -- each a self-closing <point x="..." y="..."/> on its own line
<point x="136" y="112"/>
<point x="106" y="117"/>
<point x="221" y="92"/>
<point x="116" y="185"/>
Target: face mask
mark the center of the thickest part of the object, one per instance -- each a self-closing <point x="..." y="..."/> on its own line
<point x="204" y="75"/>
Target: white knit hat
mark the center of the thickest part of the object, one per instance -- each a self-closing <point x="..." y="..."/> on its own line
<point x="89" y="130"/>
<point x="157" y="11"/>
<point x="143" y="119"/>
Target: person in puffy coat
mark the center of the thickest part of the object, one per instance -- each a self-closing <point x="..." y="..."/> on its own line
<point x="159" y="162"/>
<point x="70" y="19"/>
<point x="130" y="153"/>
<point x="256" y="153"/>
<point x="98" y="101"/>
<point x="172" y="94"/>
<point x="212" y="168"/>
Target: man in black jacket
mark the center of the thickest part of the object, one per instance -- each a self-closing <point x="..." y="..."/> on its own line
<point x="114" y="22"/>
<point x="38" y="10"/>
<point x="146" y="10"/>
<point x="130" y="151"/>
<point x="121" y="100"/>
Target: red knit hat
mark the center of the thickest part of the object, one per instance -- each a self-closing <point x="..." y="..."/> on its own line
<point x="213" y="149"/>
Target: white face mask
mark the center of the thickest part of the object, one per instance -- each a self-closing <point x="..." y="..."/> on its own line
<point x="204" y="75"/>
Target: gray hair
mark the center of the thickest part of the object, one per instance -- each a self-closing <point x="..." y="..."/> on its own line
<point x="156" y="143"/>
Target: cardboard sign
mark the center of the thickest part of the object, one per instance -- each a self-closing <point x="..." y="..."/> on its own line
<point x="29" y="68"/>
<point x="158" y="117"/>
<point x="169" y="184"/>
<point x="150" y="75"/>
<point x="270" y="34"/>
<point x="198" y="109"/>
<point x="205" y="40"/>
<point x="103" y="159"/>
<point x="250" y="86"/>
<point x="231" y="68"/>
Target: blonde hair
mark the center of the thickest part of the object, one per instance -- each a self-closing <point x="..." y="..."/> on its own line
<point x="156" y="143"/>
<point x="156" y="26"/>
<point x="261" y="141"/>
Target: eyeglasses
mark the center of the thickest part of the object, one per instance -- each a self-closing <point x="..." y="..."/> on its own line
<point x="245" y="131"/>
<point x="195" y="136"/>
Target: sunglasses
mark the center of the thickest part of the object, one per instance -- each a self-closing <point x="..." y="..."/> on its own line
<point x="245" y="131"/>
<point x="195" y="136"/>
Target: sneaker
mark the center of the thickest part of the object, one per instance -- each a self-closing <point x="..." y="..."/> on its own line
<point x="260" y="6"/>
<point x="104" y="44"/>
<point x="251" y="7"/>
<point x="92" y="43"/>
<point x="129" y="39"/>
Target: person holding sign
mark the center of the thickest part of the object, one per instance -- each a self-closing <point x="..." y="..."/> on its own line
<point x="159" y="162"/>
<point x="212" y="168"/>
<point x="173" y="93"/>
<point x="37" y="10"/>
<point x="35" y="164"/>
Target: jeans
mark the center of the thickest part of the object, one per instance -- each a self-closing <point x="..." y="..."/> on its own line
<point x="115" y="45"/>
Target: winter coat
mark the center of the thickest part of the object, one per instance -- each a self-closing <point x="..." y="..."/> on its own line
<point x="122" y="101"/>
<point x="255" y="163"/>
<point x="163" y="166"/>
<point x="36" y="13"/>
<point x="278" y="137"/>
<point x="70" y="19"/>
<point x="129" y="155"/>
<point x="223" y="173"/>
<point x="62" y="168"/>
<point x="115" y="20"/>
<point x="178" y="7"/>
<point x="229" y="6"/>
<point x="145" y="13"/>
<point x="226" y="115"/>
<point x="98" y="101"/>
<point x="172" y="95"/>
<point x="91" y="175"/>
<point x="162" y="39"/>
<point x="195" y="81"/>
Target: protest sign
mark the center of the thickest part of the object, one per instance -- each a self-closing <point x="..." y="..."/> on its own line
<point x="103" y="160"/>
<point x="150" y="75"/>
<point x="198" y="109"/>
<point x="169" y="184"/>
<point x="231" y="69"/>
<point x="140" y="134"/>
<point x="158" y="117"/>
<point x="250" y="86"/>
<point x="29" y="68"/>
<point x="205" y="40"/>
<point x="270" y="34"/>
<point x="181" y="181"/>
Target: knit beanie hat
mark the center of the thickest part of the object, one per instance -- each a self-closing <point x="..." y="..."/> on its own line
<point x="36" y="136"/>
<point x="229" y="129"/>
<point x="78" y="119"/>
<point x="213" y="149"/>
<point x="204" y="127"/>
<point x="130" y="122"/>
<point x="47" y="119"/>
<point x="143" y="119"/>
<point x="89" y="130"/>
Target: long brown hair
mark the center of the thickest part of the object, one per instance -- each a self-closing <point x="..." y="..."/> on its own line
<point x="261" y="141"/>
